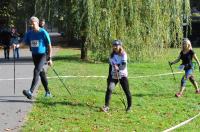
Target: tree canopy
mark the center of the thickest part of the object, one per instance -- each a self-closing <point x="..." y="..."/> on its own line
<point x="145" y="27"/>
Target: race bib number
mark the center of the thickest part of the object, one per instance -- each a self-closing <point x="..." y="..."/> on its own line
<point x="34" y="43"/>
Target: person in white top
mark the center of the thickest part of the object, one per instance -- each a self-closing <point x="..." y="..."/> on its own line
<point x="117" y="73"/>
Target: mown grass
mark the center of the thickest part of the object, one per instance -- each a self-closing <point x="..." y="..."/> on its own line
<point x="154" y="106"/>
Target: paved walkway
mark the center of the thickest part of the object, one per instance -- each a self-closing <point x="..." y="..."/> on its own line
<point x="14" y="107"/>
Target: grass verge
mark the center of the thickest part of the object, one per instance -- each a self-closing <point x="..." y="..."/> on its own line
<point x="154" y="106"/>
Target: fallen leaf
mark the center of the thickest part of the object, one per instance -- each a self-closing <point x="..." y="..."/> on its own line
<point x="7" y="129"/>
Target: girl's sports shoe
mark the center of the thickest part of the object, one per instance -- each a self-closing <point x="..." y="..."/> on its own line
<point x="178" y="95"/>
<point x="128" y="109"/>
<point x="27" y="93"/>
<point x="105" y="109"/>
<point x="48" y="94"/>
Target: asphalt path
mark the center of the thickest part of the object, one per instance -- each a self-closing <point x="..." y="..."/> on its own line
<point x="14" y="106"/>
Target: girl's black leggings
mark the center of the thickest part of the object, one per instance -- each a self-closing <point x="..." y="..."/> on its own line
<point x="39" y="61"/>
<point x="111" y="83"/>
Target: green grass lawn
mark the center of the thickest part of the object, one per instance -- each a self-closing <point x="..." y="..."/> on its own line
<point x="154" y="106"/>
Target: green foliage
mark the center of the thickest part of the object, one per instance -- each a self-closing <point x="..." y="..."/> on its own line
<point x="145" y="26"/>
<point x="16" y="12"/>
<point x="5" y="13"/>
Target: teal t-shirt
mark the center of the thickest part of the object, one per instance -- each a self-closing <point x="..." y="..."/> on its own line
<point x="38" y="41"/>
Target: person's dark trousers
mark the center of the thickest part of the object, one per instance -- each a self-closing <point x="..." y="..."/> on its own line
<point x="16" y="53"/>
<point x="6" y="52"/>
<point x="39" y="61"/>
<point x="125" y="86"/>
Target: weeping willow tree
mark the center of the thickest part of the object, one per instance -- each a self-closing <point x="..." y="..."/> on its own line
<point x="146" y="27"/>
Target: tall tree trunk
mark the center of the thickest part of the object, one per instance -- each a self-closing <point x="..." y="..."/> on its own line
<point x="35" y="8"/>
<point x="84" y="49"/>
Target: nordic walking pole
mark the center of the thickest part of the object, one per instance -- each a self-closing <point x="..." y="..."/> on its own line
<point x="172" y="71"/>
<point x="60" y="80"/>
<point x="122" y="99"/>
<point x="14" y="66"/>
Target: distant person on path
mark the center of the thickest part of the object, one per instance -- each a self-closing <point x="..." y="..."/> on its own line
<point x="39" y="41"/>
<point x="42" y="23"/>
<point x="5" y="40"/>
<point x="117" y="73"/>
<point x="187" y="55"/>
<point x="15" y="40"/>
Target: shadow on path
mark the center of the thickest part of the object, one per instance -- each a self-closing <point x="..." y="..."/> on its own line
<point x="20" y="61"/>
<point x="10" y="99"/>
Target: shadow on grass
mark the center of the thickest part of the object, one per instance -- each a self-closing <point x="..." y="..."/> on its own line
<point x="73" y="103"/>
<point x="100" y="90"/>
<point x="47" y="102"/>
<point x="75" y="58"/>
<point x="115" y="92"/>
<point x="120" y="93"/>
<point x="168" y="95"/>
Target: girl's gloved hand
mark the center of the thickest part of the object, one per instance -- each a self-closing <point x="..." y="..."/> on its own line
<point x="116" y="67"/>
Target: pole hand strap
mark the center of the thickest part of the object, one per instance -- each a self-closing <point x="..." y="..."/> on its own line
<point x="172" y="70"/>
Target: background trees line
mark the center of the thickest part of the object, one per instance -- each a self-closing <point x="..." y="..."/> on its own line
<point x="145" y="26"/>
